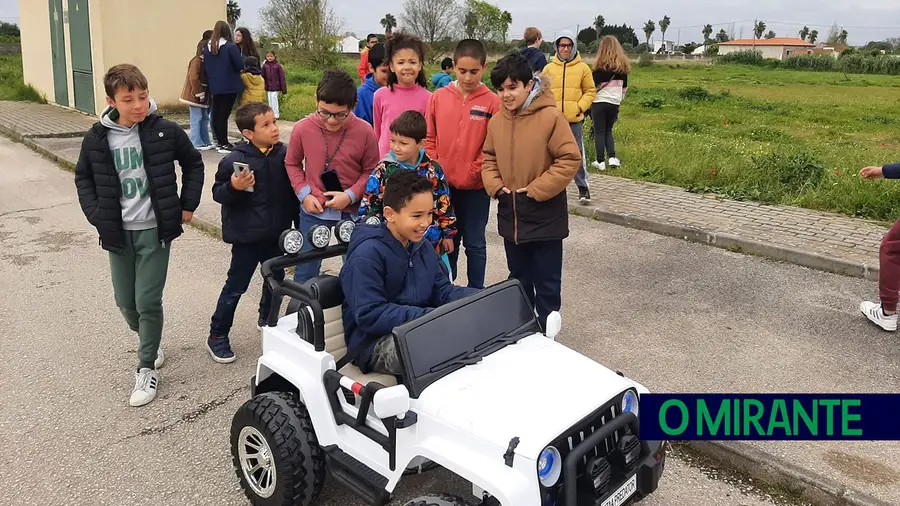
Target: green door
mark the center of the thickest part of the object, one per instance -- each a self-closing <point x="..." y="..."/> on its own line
<point x="82" y="69"/>
<point x="58" y="54"/>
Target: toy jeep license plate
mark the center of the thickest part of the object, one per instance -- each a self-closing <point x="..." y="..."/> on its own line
<point x="624" y="492"/>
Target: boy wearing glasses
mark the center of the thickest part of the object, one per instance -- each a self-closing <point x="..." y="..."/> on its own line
<point x="330" y="147"/>
<point x="572" y="83"/>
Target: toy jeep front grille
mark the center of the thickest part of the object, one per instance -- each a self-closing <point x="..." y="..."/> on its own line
<point x="583" y="429"/>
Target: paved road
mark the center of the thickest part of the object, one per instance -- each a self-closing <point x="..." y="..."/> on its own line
<point x="674" y="315"/>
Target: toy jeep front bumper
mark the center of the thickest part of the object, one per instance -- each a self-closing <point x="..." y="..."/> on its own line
<point x="646" y="471"/>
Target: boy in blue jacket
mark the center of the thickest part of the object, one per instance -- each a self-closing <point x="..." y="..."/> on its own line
<point x="392" y="274"/>
<point x="379" y="70"/>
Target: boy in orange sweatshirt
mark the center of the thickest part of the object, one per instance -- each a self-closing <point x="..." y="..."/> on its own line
<point x="457" y="117"/>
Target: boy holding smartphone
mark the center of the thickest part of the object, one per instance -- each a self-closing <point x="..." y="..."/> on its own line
<point x="257" y="205"/>
<point x="330" y="157"/>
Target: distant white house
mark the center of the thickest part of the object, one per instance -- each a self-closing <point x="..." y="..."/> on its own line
<point x="663" y="46"/>
<point x="348" y="45"/>
<point x="778" y="48"/>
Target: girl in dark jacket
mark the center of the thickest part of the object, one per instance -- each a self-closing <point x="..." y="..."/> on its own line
<point x="276" y="83"/>
<point x="223" y="64"/>
<point x="245" y="43"/>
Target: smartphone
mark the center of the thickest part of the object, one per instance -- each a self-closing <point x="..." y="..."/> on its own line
<point x="331" y="182"/>
<point x="239" y="167"/>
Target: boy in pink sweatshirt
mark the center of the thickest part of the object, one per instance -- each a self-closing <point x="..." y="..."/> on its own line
<point x="457" y="117"/>
<point x="330" y="139"/>
<point x="406" y="89"/>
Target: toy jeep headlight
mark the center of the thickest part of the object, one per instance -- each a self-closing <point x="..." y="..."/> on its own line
<point x="630" y="402"/>
<point x="373" y="220"/>
<point x="291" y="241"/>
<point x="549" y="466"/>
<point x="344" y="230"/>
<point x="319" y="236"/>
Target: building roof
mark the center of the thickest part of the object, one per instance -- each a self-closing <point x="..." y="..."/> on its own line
<point x="777" y="41"/>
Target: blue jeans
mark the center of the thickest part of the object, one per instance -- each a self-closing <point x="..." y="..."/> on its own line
<point x="309" y="270"/>
<point x="199" y="126"/>
<point x="472" y="208"/>
<point x="581" y="177"/>
<point x="245" y="258"/>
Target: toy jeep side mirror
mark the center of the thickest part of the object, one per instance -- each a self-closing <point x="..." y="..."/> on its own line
<point x="391" y="401"/>
<point x="554" y="325"/>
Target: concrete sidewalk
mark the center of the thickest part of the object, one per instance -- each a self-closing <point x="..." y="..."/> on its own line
<point x="813" y="239"/>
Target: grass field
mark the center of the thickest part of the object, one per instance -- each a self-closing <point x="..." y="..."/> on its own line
<point x="772" y="135"/>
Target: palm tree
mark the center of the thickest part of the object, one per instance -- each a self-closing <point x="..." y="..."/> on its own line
<point x="771" y="34"/>
<point x="813" y="36"/>
<point x="599" y="23"/>
<point x="232" y="12"/>
<point x="707" y="31"/>
<point x="722" y="36"/>
<point x="804" y="33"/>
<point x="649" y="28"/>
<point x="506" y="19"/>
<point x="389" y="22"/>
<point x="663" y="26"/>
<point x="759" y="29"/>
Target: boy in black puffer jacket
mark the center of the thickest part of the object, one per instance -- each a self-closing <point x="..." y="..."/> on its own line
<point x="257" y="205"/>
<point x="128" y="191"/>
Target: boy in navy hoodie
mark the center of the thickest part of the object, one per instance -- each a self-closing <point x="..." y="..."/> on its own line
<point x="379" y="70"/>
<point x="258" y="203"/>
<point x="390" y="263"/>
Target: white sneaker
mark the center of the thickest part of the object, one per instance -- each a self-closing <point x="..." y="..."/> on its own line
<point x="876" y="315"/>
<point x="146" y="382"/>
<point x="160" y="358"/>
<point x="614" y="163"/>
<point x="599" y="165"/>
<point x="206" y="148"/>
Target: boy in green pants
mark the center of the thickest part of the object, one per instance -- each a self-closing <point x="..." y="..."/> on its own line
<point x="128" y="191"/>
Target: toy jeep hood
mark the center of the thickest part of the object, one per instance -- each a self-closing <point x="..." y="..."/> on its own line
<point x="535" y="390"/>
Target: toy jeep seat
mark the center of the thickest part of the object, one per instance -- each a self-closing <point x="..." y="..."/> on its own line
<point x="327" y="290"/>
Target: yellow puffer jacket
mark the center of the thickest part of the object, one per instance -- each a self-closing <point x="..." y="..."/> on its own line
<point x="254" y="88"/>
<point x="573" y="86"/>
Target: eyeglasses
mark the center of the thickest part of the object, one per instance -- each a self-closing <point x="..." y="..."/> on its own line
<point x="341" y="116"/>
<point x="566" y="46"/>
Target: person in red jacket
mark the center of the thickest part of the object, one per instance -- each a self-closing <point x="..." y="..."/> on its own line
<point x="457" y="118"/>
<point x="363" y="68"/>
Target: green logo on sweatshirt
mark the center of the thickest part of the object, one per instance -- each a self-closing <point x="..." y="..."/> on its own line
<point x="128" y="158"/>
<point x="132" y="187"/>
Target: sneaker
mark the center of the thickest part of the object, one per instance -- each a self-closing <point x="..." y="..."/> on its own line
<point x="220" y="349"/>
<point x="146" y="381"/>
<point x="225" y="148"/>
<point x="614" y="163"/>
<point x="584" y="195"/>
<point x="599" y="165"/>
<point x="260" y="323"/>
<point x="205" y="148"/>
<point x="876" y="315"/>
<point x="160" y="358"/>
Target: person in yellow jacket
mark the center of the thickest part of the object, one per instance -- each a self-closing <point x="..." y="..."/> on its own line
<point x="573" y="87"/>
<point x="254" y="84"/>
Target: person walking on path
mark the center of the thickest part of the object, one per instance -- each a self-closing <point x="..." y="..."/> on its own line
<point x="363" y="68"/>
<point x="572" y="83"/>
<point x="884" y="314"/>
<point x="245" y="44"/>
<point x="194" y="95"/>
<point x="223" y="64"/>
<point x="276" y="82"/>
<point x="611" y="69"/>
<point x="533" y="53"/>
<point x="406" y="89"/>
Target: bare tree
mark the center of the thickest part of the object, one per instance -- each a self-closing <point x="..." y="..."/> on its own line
<point x="433" y="20"/>
<point x="307" y="24"/>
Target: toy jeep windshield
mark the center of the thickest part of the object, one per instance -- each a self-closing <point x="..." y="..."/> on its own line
<point x="485" y="394"/>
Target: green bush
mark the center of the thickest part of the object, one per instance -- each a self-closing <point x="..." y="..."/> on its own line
<point x="814" y="62"/>
<point x="652" y="103"/>
<point x="793" y="172"/>
<point x="766" y="134"/>
<point x="645" y="60"/>
<point x="695" y="93"/>
<point x="688" y="126"/>
<point x="748" y="57"/>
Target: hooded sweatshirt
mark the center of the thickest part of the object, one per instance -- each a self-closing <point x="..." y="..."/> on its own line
<point x="353" y="159"/>
<point x="390" y="103"/>
<point x="456" y="130"/>
<point x="536" y="58"/>
<point x="572" y="83"/>
<point x="532" y="149"/>
<point x="365" y="96"/>
<point x="128" y="157"/>
<point x="254" y="86"/>
<point x="386" y="285"/>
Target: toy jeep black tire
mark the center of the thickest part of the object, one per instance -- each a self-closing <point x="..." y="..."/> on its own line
<point x="439" y="500"/>
<point x="275" y="452"/>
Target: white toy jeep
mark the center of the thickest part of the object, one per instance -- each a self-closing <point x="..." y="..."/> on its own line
<point x="486" y="395"/>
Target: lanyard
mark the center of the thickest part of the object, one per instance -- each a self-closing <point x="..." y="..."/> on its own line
<point x="329" y="158"/>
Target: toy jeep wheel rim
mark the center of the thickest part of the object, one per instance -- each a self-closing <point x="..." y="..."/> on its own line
<point x="257" y="462"/>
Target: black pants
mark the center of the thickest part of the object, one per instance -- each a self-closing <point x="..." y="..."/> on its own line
<point x="604" y="116"/>
<point x="245" y="258"/>
<point x="538" y="266"/>
<point x="222" y="105"/>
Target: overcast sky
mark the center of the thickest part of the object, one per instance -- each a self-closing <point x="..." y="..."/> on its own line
<point x="864" y="20"/>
